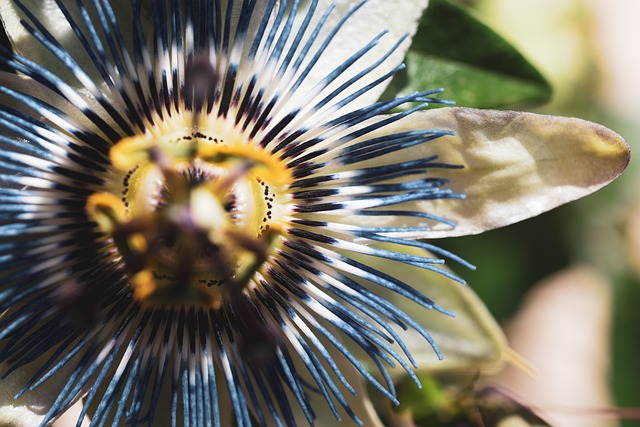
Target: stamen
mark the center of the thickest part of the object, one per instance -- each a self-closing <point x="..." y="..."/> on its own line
<point x="179" y="227"/>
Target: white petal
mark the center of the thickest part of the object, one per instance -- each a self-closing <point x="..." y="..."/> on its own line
<point x="516" y="165"/>
<point x="52" y="18"/>
<point x="45" y="10"/>
<point x="30" y="409"/>
<point x="399" y="18"/>
<point x="472" y="340"/>
<point x="74" y="118"/>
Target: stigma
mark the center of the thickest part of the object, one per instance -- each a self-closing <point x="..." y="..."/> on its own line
<point x="197" y="210"/>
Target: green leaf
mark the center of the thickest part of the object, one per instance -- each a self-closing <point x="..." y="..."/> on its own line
<point x="475" y="66"/>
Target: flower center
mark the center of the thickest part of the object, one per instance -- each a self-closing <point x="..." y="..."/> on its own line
<point x="196" y="213"/>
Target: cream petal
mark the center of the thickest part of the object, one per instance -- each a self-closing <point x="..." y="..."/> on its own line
<point x="45" y="10"/>
<point x="516" y="165"/>
<point x="26" y="412"/>
<point x="74" y="117"/>
<point x="49" y="14"/>
<point x="370" y="20"/>
<point x="30" y="409"/>
<point x="27" y="85"/>
<point x="470" y="340"/>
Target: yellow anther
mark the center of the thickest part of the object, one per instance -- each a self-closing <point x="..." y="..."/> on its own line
<point x="138" y="243"/>
<point x="106" y="210"/>
<point x="131" y="151"/>
<point x="134" y="150"/>
<point x="144" y="285"/>
<point x="264" y="163"/>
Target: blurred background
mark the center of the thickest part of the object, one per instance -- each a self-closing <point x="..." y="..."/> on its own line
<point x="566" y="285"/>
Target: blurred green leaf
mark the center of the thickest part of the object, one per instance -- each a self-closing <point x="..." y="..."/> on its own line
<point x="477" y="67"/>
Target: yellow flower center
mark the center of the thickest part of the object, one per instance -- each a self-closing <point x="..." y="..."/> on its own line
<point x="197" y="211"/>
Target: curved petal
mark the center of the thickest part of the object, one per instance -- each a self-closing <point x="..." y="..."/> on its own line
<point x="469" y="339"/>
<point x="49" y="14"/>
<point x="70" y="113"/>
<point x="31" y="408"/>
<point x="516" y="165"/>
<point x="374" y="17"/>
<point x="370" y="20"/>
<point x="29" y="411"/>
<point x="21" y="40"/>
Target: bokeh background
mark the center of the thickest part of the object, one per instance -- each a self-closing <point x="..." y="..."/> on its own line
<point x="566" y="285"/>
